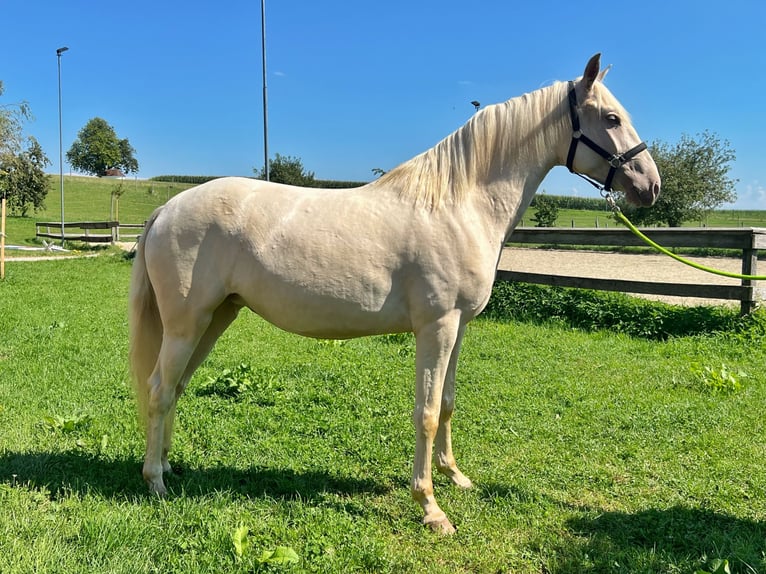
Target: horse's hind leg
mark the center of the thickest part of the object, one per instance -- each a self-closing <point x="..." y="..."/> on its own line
<point x="174" y="356"/>
<point x="222" y="318"/>
<point x="445" y="459"/>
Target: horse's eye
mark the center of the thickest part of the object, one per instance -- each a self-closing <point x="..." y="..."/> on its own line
<point x="613" y="119"/>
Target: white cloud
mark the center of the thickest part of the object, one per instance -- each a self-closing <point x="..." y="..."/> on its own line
<point x="753" y="196"/>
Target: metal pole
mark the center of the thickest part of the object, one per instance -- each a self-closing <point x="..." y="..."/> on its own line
<point x="61" y="144"/>
<point x="265" y="98"/>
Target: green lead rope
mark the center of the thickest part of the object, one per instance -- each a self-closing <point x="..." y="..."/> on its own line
<point x="661" y="249"/>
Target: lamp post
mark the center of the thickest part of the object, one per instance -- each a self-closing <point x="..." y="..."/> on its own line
<point x="60" y="51"/>
<point x="265" y="105"/>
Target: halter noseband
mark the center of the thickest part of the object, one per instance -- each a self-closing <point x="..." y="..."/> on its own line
<point x="616" y="160"/>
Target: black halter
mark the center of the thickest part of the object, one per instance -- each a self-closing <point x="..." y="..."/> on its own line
<point x="616" y="160"/>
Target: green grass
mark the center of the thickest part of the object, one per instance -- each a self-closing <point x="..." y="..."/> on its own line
<point x="590" y="451"/>
<point x="90" y="199"/>
<point x="603" y="218"/>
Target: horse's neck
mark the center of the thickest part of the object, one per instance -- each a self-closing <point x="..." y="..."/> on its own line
<point x="528" y="136"/>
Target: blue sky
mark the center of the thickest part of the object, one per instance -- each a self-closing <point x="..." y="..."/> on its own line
<point x="354" y="86"/>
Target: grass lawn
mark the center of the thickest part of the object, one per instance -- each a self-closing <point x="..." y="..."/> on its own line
<point x="90" y="199"/>
<point x="590" y="452"/>
<point x="603" y="218"/>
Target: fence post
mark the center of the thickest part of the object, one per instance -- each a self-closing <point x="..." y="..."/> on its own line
<point x="2" y="239"/>
<point x="749" y="266"/>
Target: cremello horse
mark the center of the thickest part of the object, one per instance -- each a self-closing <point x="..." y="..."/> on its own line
<point x="414" y="251"/>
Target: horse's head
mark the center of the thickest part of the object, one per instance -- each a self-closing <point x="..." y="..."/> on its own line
<point x="612" y="152"/>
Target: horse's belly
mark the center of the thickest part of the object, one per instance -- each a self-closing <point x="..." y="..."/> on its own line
<point x="329" y="310"/>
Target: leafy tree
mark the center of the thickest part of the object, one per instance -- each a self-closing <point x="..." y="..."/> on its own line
<point x="695" y="180"/>
<point x="22" y="161"/>
<point x="289" y="170"/>
<point x="23" y="179"/>
<point x="98" y="149"/>
<point x="547" y="211"/>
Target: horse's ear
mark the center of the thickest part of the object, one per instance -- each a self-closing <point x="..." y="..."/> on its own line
<point x="591" y="74"/>
<point x="604" y="72"/>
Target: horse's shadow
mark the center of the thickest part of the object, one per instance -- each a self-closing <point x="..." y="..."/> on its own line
<point x="658" y="539"/>
<point x="672" y="535"/>
<point x="81" y="473"/>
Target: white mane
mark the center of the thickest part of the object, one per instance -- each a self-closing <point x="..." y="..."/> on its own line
<point x="495" y="140"/>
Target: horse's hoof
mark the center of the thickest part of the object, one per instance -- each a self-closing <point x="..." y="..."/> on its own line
<point x="156" y="486"/>
<point x="442" y="526"/>
<point x="461" y="480"/>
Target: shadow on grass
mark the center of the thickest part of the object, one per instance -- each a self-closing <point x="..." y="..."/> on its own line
<point x="672" y="536"/>
<point x="80" y="473"/>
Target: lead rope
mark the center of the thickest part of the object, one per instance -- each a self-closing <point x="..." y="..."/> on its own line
<point x="621" y="216"/>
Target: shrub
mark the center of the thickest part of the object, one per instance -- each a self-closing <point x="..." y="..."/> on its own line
<point x="596" y="310"/>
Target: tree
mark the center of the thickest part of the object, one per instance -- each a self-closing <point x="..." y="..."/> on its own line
<point x="289" y="170"/>
<point x="98" y="149"/>
<point x="23" y="180"/>
<point x="22" y="161"/>
<point x="695" y="180"/>
<point x="546" y="211"/>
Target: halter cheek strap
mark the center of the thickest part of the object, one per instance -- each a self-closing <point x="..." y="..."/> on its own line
<point x="616" y="160"/>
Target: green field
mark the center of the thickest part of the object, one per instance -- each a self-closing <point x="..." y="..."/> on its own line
<point x="719" y="218"/>
<point x="590" y="451"/>
<point x="90" y="199"/>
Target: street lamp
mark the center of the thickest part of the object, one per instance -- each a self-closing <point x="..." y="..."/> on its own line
<point x="265" y="105"/>
<point x="60" y="51"/>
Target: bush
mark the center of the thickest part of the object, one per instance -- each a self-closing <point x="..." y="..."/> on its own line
<point x="547" y="211"/>
<point x="596" y="310"/>
<point x="190" y="179"/>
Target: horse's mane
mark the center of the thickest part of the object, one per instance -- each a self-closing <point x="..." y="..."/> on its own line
<point x="495" y="139"/>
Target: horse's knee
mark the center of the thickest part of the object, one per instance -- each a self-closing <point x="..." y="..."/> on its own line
<point x="426" y="422"/>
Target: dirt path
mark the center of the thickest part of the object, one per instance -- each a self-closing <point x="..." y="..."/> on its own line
<point x="610" y="265"/>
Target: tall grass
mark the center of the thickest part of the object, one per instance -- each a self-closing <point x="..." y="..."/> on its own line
<point x="591" y="451"/>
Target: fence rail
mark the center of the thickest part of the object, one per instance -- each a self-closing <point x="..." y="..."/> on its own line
<point x="106" y="231"/>
<point x="748" y="240"/>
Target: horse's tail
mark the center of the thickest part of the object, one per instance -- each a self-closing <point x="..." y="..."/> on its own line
<point x="145" y="325"/>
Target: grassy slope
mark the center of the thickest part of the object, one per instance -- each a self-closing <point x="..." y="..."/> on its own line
<point x="590" y="452"/>
<point x="89" y="199"/>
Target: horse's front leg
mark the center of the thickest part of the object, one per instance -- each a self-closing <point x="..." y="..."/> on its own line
<point x="445" y="459"/>
<point x="434" y="345"/>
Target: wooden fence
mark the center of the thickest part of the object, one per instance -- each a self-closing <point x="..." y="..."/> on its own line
<point x="748" y="240"/>
<point x="105" y="231"/>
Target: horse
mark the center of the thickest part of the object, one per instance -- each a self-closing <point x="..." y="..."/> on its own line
<point x="416" y="251"/>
